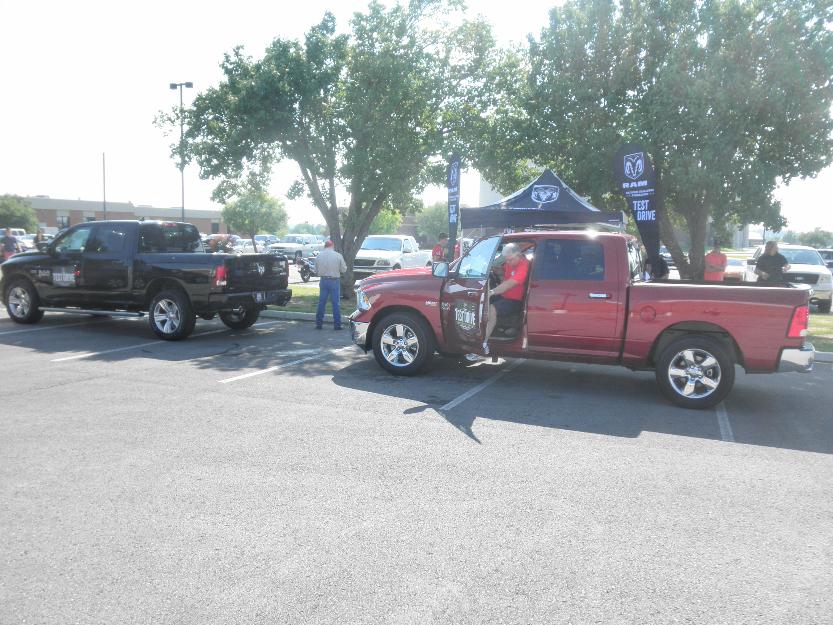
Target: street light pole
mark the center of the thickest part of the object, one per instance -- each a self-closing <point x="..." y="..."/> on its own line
<point x="180" y="85"/>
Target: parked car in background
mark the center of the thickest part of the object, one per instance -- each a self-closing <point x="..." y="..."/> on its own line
<point x="735" y="270"/>
<point x="15" y="232"/>
<point x="264" y="240"/>
<point x="827" y="256"/>
<point x="296" y="246"/>
<point x="389" y="252"/>
<point x="666" y="255"/>
<point x="807" y="268"/>
<point x="27" y="241"/>
<point x="221" y="243"/>
<point x="244" y="246"/>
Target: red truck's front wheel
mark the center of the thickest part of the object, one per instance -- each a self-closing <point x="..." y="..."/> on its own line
<point x="695" y="371"/>
<point x="402" y="343"/>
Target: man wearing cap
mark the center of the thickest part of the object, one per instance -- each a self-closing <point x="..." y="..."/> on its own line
<point x="329" y="265"/>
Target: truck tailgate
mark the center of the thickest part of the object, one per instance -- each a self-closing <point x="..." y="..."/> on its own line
<point x="256" y="272"/>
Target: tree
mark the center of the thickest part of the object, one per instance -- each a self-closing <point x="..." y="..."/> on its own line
<point x="308" y="228"/>
<point x="15" y="212"/>
<point x="365" y="115"/>
<point x="432" y="221"/>
<point x="731" y="99"/>
<point x="387" y="221"/>
<point x="816" y="238"/>
<point x="254" y="213"/>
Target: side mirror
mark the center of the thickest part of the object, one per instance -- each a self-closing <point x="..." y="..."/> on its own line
<point x="440" y="270"/>
<point x="751" y="261"/>
<point x="830" y="264"/>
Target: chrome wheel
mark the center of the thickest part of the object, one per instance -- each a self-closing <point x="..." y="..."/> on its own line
<point x="694" y="373"/>
<point x="167" y="316"/>
<point x="19" y="302"/>
<point x="400" y="345"/>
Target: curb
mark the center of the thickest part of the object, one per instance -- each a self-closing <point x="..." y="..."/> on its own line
<point x="824" y="357"/>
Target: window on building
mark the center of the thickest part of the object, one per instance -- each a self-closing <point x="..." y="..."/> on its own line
<point x="63" y="222"/>
<point x="215" y="227"/>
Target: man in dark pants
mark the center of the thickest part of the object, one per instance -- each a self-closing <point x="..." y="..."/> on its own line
<point x="771" y="264"/>
<point x="329" y="265"/>
<point x="9" y="246"/>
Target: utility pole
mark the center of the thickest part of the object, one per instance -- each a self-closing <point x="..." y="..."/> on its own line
<point x="180" y="85"/>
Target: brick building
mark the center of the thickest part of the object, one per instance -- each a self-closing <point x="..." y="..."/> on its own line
<point x="54" y="213"/>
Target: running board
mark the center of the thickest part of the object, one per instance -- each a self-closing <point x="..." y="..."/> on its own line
<point x="83" y="311"/>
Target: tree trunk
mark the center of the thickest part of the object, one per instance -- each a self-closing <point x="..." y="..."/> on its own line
<point x="697" y="220"/>
<point x="666" y="233"/>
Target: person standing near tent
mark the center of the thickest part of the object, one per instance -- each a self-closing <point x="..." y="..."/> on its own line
<point x="438" y="253"/>
<point x="715" y="264"/>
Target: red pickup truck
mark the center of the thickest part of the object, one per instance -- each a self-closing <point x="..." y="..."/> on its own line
<point x="586" y="301"/>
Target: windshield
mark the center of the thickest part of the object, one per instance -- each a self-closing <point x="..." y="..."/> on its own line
<point x="802" y="257"/>
<point x="387" y="244"/>
<point x="292" y="239"/>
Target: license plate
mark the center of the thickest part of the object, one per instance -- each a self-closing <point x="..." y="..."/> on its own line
<point x="260" y="296"/>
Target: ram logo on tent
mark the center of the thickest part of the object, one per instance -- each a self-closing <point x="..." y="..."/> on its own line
<point x="544" y="193"/>
<point x="634" y="165"/>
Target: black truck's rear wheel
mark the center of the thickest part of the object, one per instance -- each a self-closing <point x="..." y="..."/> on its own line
<point x="22" y="302"/>
<point x="240" y="318"/>
<point x="171" y="315"/>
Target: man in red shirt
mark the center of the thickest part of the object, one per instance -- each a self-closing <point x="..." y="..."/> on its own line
<point x="507" y="297"/>
<point x="715" y="264"/>
<point x="438" y="253"/>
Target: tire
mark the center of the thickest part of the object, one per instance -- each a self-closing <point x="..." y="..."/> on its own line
<point x="298" y="257"/>
<point x="23" y="303"/>
<point x="402" y="343"/>
<point x="240" y="318"/>
<point x="824" y="307"/>
<point x="171" y="315"/>
<point x="305" y="274"/>
<point x="680" y="372"/>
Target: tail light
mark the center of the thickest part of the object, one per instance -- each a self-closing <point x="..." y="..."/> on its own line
<point x="798" y="324"/>
<point x="219" y="276"/>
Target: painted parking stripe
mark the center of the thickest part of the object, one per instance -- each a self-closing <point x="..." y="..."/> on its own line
<point x="41" y="329"/>
<point x="284" y="365"/>
<point x="139" y="345"/>
<point x="474" y="391"/>
<point x="726" y="433"/>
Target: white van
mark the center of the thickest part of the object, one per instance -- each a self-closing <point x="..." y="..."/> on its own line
<point x="16" y="232"/>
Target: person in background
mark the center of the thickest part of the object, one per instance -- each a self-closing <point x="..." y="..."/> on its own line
<point x="715" y="264"/>
<point x="329" y="265"/>
<point x="771" y="264"/>
<point x="40" y="237"/>
<point x="438" y="253"/>
<point x="9" y="245"/>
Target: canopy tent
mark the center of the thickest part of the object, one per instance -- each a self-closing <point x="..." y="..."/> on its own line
<point x="543" y="202"/>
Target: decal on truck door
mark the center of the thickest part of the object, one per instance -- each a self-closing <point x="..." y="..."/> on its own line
<point x="63" y="276"/>
<point x="465" y="317"/>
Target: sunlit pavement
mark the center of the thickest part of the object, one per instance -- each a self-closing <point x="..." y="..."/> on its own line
<point x="278" y="475"/>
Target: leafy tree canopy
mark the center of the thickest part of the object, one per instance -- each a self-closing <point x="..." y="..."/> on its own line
<point x="432" y="221"/>
<point x="816" y="238"/>
<point x="15" y="212"/>
<point x="254" y="213"/>
<point x="731" y="98"/>
<point x="387" y="221"/>
<point x="365" y="115"/>
<point x="308" y="228"/>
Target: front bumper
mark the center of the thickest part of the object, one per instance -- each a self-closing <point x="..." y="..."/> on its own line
<point x="358" y="331"/>
<point x="797" y="360"/>
<point x="227" y="301"/>
<point x="819" y="295"/>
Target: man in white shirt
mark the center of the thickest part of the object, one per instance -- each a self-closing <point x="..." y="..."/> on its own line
<point x="329" y="265"/>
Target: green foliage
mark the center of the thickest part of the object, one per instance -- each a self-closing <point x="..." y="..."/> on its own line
<point x="367" y="113"/>
<point x="790" y="236"/>
<point x="15" y="212"/>
<point x="308" y="228"/>
<point x="254" y="213"/>
<point x="731" y="98"/>
<point x="816" y="238"/>
<point x="387" y="221"/>
<point x="432" y="221"/>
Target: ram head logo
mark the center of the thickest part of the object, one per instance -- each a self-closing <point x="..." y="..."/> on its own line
<point x="634" y="165"/>
<point x="544" y="193"/>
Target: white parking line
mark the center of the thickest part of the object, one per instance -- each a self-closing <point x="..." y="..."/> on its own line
<point x="474" y="391"/>
<point x="138" y="345"/>
<point x="726" y="433"/>
<point x="284" y="365"/>
<point x="42" y="328"/>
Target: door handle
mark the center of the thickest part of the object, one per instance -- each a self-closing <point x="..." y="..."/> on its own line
<point x="599" y="295"/>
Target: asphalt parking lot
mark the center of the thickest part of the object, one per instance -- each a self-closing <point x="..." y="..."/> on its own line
<point x="278" y="475"/>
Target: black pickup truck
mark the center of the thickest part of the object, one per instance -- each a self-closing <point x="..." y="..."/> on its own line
<point x="130" y="268"/>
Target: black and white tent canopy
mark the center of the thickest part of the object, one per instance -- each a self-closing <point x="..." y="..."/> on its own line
<point x="545" y="201"/>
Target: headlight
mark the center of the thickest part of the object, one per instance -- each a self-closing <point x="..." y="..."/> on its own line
<point x="361" y="300"/>
<point x="382" y="263"/>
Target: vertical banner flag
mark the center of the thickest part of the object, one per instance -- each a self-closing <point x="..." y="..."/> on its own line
<point x="453" y="183"/>
<point x="637" y="180"/>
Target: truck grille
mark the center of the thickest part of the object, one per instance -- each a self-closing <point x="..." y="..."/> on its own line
<point x="802" y="278"/>
<point x="364" y="262"/>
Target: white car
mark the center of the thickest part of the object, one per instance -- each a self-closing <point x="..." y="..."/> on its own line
<point x="807" y="268"/>
<point x="297" y="246"/>
<point x="388" y="252"/>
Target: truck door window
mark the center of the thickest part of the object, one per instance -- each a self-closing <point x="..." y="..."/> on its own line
<point x="406" y="247"/>
<point x="108" y="238"/>
<point x="74" y="240"/>
<point x="169" y="237"/>
<point x="569" y="259"/>
<point x="476" y="264"/>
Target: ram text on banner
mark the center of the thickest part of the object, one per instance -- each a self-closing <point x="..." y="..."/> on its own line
<point x="453" y="183"/>
<point x="636" y="178"/>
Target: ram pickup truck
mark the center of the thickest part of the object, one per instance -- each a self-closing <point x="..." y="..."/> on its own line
<point x="129" y="268"/>
<point x="586" y="302"/>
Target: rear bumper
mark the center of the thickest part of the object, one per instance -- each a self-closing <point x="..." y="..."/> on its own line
<point x="226" y="301"/>
<point x="797" y="360"/>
